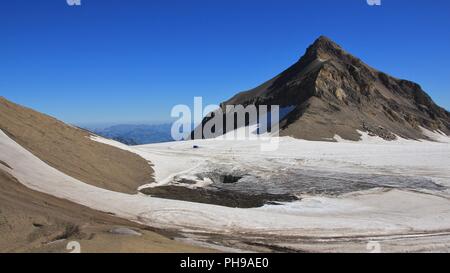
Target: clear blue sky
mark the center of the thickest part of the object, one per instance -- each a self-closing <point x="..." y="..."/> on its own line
<point x="132" y="60"/>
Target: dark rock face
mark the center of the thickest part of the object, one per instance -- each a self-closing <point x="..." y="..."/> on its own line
<point x="335" y="93"/>
<point x="221" y="197"/>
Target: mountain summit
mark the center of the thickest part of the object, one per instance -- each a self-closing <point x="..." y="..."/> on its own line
<point x="334" y="93"/>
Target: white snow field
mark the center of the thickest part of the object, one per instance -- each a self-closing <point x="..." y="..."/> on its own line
<point x="400" y="218"/>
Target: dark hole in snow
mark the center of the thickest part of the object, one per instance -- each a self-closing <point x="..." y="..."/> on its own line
<point x="225" y="178"/>
<point x="229" y="179"/>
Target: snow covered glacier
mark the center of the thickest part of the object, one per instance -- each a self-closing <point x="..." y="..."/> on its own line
<point x="395" y="193"/>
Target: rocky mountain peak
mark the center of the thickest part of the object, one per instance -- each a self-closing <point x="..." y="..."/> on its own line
<point x="324" y="48"/>
<point x="332" y="92"/>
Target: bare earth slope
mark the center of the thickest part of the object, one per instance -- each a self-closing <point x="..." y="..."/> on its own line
<point x="71" y="151"/>
<point x="31" y="221"/>
<point x="35" y="222"/>
<point x="335" y="93"/>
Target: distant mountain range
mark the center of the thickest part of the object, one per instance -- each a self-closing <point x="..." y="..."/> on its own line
<point x="131" y="134"/>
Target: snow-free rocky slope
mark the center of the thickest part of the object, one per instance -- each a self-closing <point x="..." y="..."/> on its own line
<point x="333" y="93"/>
<point x="71" y="151"/>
